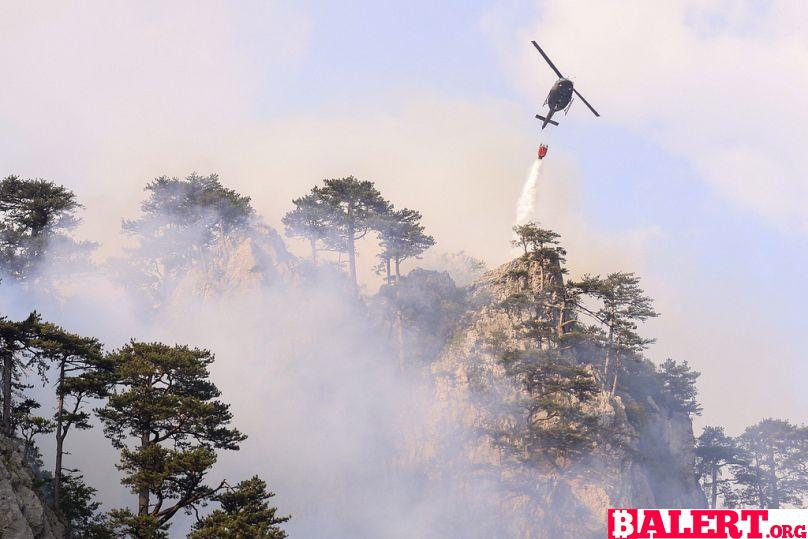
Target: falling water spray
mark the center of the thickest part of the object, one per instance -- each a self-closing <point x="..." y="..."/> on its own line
<point x="527" y="199"/>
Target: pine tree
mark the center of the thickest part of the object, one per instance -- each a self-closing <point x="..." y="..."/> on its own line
<point x="244" y="513"/>
<point x="18" y="353"/>
<point x="35" y="216"/>
<point x="679" y="383"/>
<point x="623" y="306"/>
<point x="401" y="236"/>
<point x="29" y="426"/>
<point x="164" y="399"/>
<point x="82" y="373"/>
<point x="81" y="511"/>
<point x="772" y="472"/>
<point x="353" y="205"/>
<point x="180" y="221"/>
<point x="559" y="427"/>
<point x="714" y="452"/>
<point x="308" y="220"/>
<point x="531" y="237"/>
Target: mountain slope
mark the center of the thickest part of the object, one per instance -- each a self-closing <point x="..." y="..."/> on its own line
<point x="23" y="512"/>
<point x="643" y="453"/>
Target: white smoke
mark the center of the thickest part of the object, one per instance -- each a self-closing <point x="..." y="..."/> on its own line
<point x="334" y="426"/>
<point x="526" y="205"/>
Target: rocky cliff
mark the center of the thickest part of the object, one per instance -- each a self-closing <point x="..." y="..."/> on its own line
<point x="23" y="512"/>
<point x="505" y="445"/>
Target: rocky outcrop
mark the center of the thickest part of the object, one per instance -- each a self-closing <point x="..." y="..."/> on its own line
<point x="23" y="512"/>
<point x="647" y="459"/>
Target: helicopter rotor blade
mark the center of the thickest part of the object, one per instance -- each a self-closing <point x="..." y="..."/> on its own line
<point x="547" y="59"/>
<point x="586" y="103"/>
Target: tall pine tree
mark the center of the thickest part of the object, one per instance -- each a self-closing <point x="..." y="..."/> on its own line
<point x="164" y="400"/>
<point x="82" y="372"/>
<point x="623" y="305"/>
<point x="353" y="205"/>
<point x="772" y="472"/>
<point x="309" y="220"/>
<point x="401" y="236"/>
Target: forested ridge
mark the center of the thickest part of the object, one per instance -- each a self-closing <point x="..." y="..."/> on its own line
<point x="572" y="350"/>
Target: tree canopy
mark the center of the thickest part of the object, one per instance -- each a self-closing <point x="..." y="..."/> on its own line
<point x="36" y="217"/>
<point x="401" y="236"/>
<point x="163" y="398"/>
<point x="244" y="512"/>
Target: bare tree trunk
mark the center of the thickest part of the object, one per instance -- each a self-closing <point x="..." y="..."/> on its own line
<point x="351" y="250"/>
<point x="714" y="489"/>
<point x="400" y="339"/>
<point x="616" y="372"/>
<point x="57" y="469"/>
<point x="313" y="243"/>
<point x="143" y="495"/>
<point x="387" y="267"/>
<point x="8" y="365"/>
<point x="398" y="269"/>
<point x="608" y="353"/>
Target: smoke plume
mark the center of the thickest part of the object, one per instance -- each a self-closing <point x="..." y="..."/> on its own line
<point x="526" y="204"/>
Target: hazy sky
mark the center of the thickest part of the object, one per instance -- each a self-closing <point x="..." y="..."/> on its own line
<point x="695" y="176"/>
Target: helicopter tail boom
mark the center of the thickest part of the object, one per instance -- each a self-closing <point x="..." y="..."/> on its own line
<point x="546" y="121"/>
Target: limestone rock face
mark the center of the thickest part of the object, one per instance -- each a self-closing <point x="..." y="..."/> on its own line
<point x="651" y="466"/>
<point x="240" y="264"/>
<point x="23" y="512"/>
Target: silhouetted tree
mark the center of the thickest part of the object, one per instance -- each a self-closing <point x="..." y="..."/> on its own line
<point x="164" y="399"/>
<point x="772" y="472"/>
<point x="310" y="220"/>
<point x="353" y="206"/>
<point x="679" y="382"/>
<point x="401" y="236"/>
<point x="245" y="512"/>
<point x="714" y="452"/>
<point x="18" y="352"/>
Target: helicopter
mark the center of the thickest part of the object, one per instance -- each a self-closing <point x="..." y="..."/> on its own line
<point x="560" y="96"/>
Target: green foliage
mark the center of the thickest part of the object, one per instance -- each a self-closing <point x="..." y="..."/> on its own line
<point x="623" y="304"/>
<point x="29" y="426"/>
<point x="244" y="514"/>
<point x="80" y="509"/>
<point x="679" y="383"/>
<point x="194" y="201"/>
<point x="82" y="372"/>
<point x="35" y="215"/>
<point x="771" y="473"/>
<point x="533" y="238"/>
<point x="18" y="353"/>
<point x="180" y="221"/>
<point x="164" y="399"/>
<point x="559" y="428"/>
<point x="125" y="523"/>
